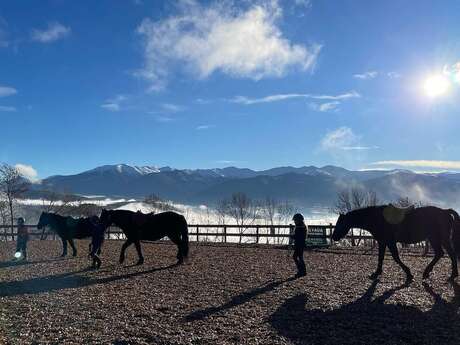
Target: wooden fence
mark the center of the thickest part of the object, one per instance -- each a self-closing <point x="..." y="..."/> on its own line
<point x="223" y="233"/>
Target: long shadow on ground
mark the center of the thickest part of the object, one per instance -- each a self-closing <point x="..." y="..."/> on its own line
<point x="366" y="321"/>
<point x="63" y="281"/>
<point x="235" y="301"/>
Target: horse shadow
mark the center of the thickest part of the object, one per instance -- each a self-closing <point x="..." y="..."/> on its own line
<point x="69" y="280"/>
<point x="371" y="321"/>
<point x="235" y="301"/>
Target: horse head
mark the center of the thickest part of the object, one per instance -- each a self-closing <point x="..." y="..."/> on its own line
<point x="43" y="221"/>
<point x="341" y="227"/>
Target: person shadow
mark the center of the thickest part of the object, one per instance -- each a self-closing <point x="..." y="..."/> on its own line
<point x="67" y="280"/>
<point x="235" y="301"/>
<point x="371" y="321"/>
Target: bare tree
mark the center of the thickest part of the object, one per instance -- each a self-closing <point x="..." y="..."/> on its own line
<point x="284" y="212"/>
<point x="222" y="210"/>
<point x="12" y="186"/>
<point x="158" y="204"/>
<point x="242" y="209"/>
<point x="57" y="203"/>
<point x="352" y="199"/>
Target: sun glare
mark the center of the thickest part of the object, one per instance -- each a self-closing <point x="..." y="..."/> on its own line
<point x="436" y="86"/>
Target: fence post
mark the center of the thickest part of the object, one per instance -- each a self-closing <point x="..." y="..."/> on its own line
<point x="224" y="238"/>
<point x="257" y="234"/>
<point x="197" y="234"/>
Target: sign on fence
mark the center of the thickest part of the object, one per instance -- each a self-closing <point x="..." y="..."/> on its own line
<point x="316" y="237"/>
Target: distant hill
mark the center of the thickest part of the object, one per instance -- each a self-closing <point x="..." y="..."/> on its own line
<point x="306" y="186"/>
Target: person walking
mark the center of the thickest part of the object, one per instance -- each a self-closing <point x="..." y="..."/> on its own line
<point x="23" y="237"/>
<point x="299" y="236"/>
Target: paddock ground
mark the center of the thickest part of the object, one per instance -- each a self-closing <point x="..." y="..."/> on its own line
<point x="224" y="295"/>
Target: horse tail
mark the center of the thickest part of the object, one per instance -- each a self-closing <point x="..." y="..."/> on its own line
<point x="455" y="221"/>
<point x="184" y="236"/>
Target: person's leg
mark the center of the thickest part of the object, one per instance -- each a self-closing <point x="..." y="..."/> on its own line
<point x="302" y="268"/>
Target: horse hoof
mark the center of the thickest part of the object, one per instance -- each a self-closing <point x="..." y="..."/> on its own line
<point x="140" y="262"/>
<point x="409" y="279"/>
<point x="426" y="275"/>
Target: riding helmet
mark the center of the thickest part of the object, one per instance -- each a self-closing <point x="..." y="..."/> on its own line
<point x="298" y="218"/>
<point x="21" y="220"/>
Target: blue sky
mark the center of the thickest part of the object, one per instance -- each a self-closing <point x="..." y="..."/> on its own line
<point x="206" y="84"/>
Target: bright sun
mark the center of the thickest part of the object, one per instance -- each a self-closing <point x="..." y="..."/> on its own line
<point x="436" y="85"/>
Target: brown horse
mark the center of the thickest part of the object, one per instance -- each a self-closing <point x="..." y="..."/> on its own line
<point x="389" y="226"/>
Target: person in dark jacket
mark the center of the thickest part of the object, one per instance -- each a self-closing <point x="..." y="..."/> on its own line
<point x="23" y="237"/>
<point x="299" y="236"/>
<point x="97" y="238"/>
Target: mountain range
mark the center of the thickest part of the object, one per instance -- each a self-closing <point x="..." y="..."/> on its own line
<point x="305" y="186"/>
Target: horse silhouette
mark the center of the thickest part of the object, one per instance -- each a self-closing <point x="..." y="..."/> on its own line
<point x="440" y="227"/>
<point x="138" y="227"/>
<point x="67" y="228"/>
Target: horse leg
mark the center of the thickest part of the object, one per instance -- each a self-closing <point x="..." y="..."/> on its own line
<point x="140" y="261"/>
<point x="438" y="253"/>
<point x="125" y="245"/>
<point x="177" y="241"/>
<point x="64" y="247"/>
<point x="382" y="248"/>
<point x="394" y="253"/>
<point x="74" y="250"/>
<point x="448" y="247"/>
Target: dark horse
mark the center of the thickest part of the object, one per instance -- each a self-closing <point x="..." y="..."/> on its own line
<point x="67" y="228"/>
<point x="440" y="227"/>
<point x="138" y="227"/>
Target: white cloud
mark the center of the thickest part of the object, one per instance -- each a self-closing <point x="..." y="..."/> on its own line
<point x="28" y="172"/>
<point x="338" y="139"/>
<point x="203" y="127"/>
<point x="173" y="108"/>
<point x="111" y="106"/>
<point x="7" y="91"/>
<point x="343" y="139"/>
<point x="393" y="75"/>
<point x="303" y="3"/>
<point x="366" y="75"/>
<point x="452" y="165"/>
<point x="114" y="104"/>
<point x="325" y="107"/>
<point x="52" y="33"/>
<point x="241" y="43"/>
<point x="164" y="119"/>
<point x="281" y="97"/>
<point x="7" y="108"/>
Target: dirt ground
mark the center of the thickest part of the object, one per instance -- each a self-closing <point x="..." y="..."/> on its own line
<point x="224" y="295"/>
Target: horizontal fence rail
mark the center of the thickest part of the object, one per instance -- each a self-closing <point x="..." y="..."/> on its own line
<point x="223" y="233"/>
<point x="318" y="235"/>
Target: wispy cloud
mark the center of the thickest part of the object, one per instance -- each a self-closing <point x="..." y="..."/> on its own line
<point x="282" y="97"/>
<point x="393" y="75"/>
<point x="164" y="118"/>
<point x="52" y="33"/>
<point x="114" y="104"/>
<point x="325" y="107"/>
<point x="27" y="171"/>
<point x="450" y="165"/>
<point x="7" y="108"/>
<point x="241" y="43"/>
<point x="366" y="75"/>
<point x="173" y="108"/>
<point x="344" y="139"/>
<point x="223" y="161"/>
<point x="359" y="148"/>
<point x="7" y="91"/>
<point x="204" y="127"/>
